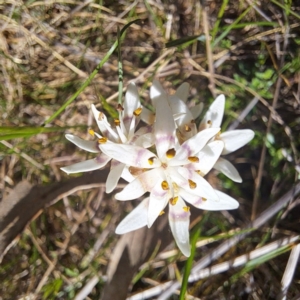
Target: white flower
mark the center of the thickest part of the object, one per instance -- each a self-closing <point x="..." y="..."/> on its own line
<point x="172" y="176"/>
<point x="123" y="133"/>
<point x="184" y="115"/>
<point x="173" y="170"/>
<point x="233" y="140"/>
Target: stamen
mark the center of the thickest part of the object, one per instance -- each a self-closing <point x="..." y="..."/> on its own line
<point x="135" y="171"/>
<point x="186" y="208"/>
<point x="192" y="184"/>
<point x="164" y="165"/>
<point x="151" y="160"/>
<point x="187" y="128"/>
<point x="173" y="201"/>
<point x="120" y="107"/>
<point x="91" y="132"/>
<point x="161" y="213"/>
<point x="193" y="159"/>
<point x="170" y="153"/>
<point x="193" y="121"/>
<point x="101" y="116"/>
<point x="218" y="135"/>
<point x="209" y="123"/>
<point x="175" y="187"/>
<point x="117" y="122"/>
<point x="203" y="199"/>
<point x="200" y="173"/>
<point x="137" y="112"/>
<point x="164" y="185"/>
<point x="102" y="140"/>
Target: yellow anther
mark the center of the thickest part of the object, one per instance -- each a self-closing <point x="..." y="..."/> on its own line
<point x="193" y="159"/>
<point x="117" y="122"/>
<point x="164" y="185"/>
<point x="193" y="121"/>
<point x="170" y="153"/>
<point x="209" y="122"/>
<point x="187" y="128"/>
<point x="161" y="213"/>
<point x="192" y="184"/>
<point x="173" y="201"/>
<point x="91" y="132"/>
<point x="203" y="199"/>
<point x="186" y="208"/>
<point x="137" y="112"/>
<point x="120" y="107"/>
<point x="102" y="140"/>
<point x="151" y="160"/>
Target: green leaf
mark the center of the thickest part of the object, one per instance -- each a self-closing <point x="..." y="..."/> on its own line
<point x="51" y="289"/>
<point x="8" y="133"/>
<point x="184" y="40"/>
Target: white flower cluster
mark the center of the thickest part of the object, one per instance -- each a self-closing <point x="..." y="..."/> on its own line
<point x="168" y="158"/>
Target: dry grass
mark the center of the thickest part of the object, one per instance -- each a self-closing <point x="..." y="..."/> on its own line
<point x="49" y="48"/>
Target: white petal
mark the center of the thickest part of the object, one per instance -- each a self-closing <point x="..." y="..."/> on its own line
<point x="164" y="126"/>
<point x="156" y="90"/>
<point x="236" y="139"/>
<point x="193" y="145"/>
<point x="116" y="169"/>
<point x="130" y="155"/>
<point x="103" y="124"/>
<point x="126" y="175"/>
<point x="87" y="165"/>
<point x="132" y="100"/>
<point x="196" y="110"/>
<point x="180" y="110"/>
<point x="135" y="220"/>
<point x="131" y="103"/>
<point x="143" y="137"/>
<point x="215" y="113"/>
<point x="228" y="169"/>
<point x="183" y="91"/>
<point x="158" y="200"/>
<point x="90" y="146"/>
<point x="208" y="156"/>
<point x="140" y="185"/>
<point x="147" y="116"/>
<point x="179" y="220"/>
<point x="225" y="202"/>
<point x="195" y="200"/>
<point x="202" y="188"/>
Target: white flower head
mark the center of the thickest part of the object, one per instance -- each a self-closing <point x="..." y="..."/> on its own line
<point x="233" y="140"/>
<point x="123" y="132"/>
<point x="173" y="175"/>
<point x="168" y="159"/>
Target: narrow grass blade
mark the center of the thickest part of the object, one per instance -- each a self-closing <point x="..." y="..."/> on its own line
<point x="289" y="271"/>
<point x="8" y="133"/>
<point x="188" y="266"/>
<point x="90" y="78"/>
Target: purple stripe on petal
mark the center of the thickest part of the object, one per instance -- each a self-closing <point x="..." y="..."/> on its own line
<point x="163" y="139"/>
<point x="102" y="158"/>
<point x="178" y="216"/>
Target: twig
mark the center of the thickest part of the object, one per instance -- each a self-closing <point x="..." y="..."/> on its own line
<point x="210" y="62"/>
